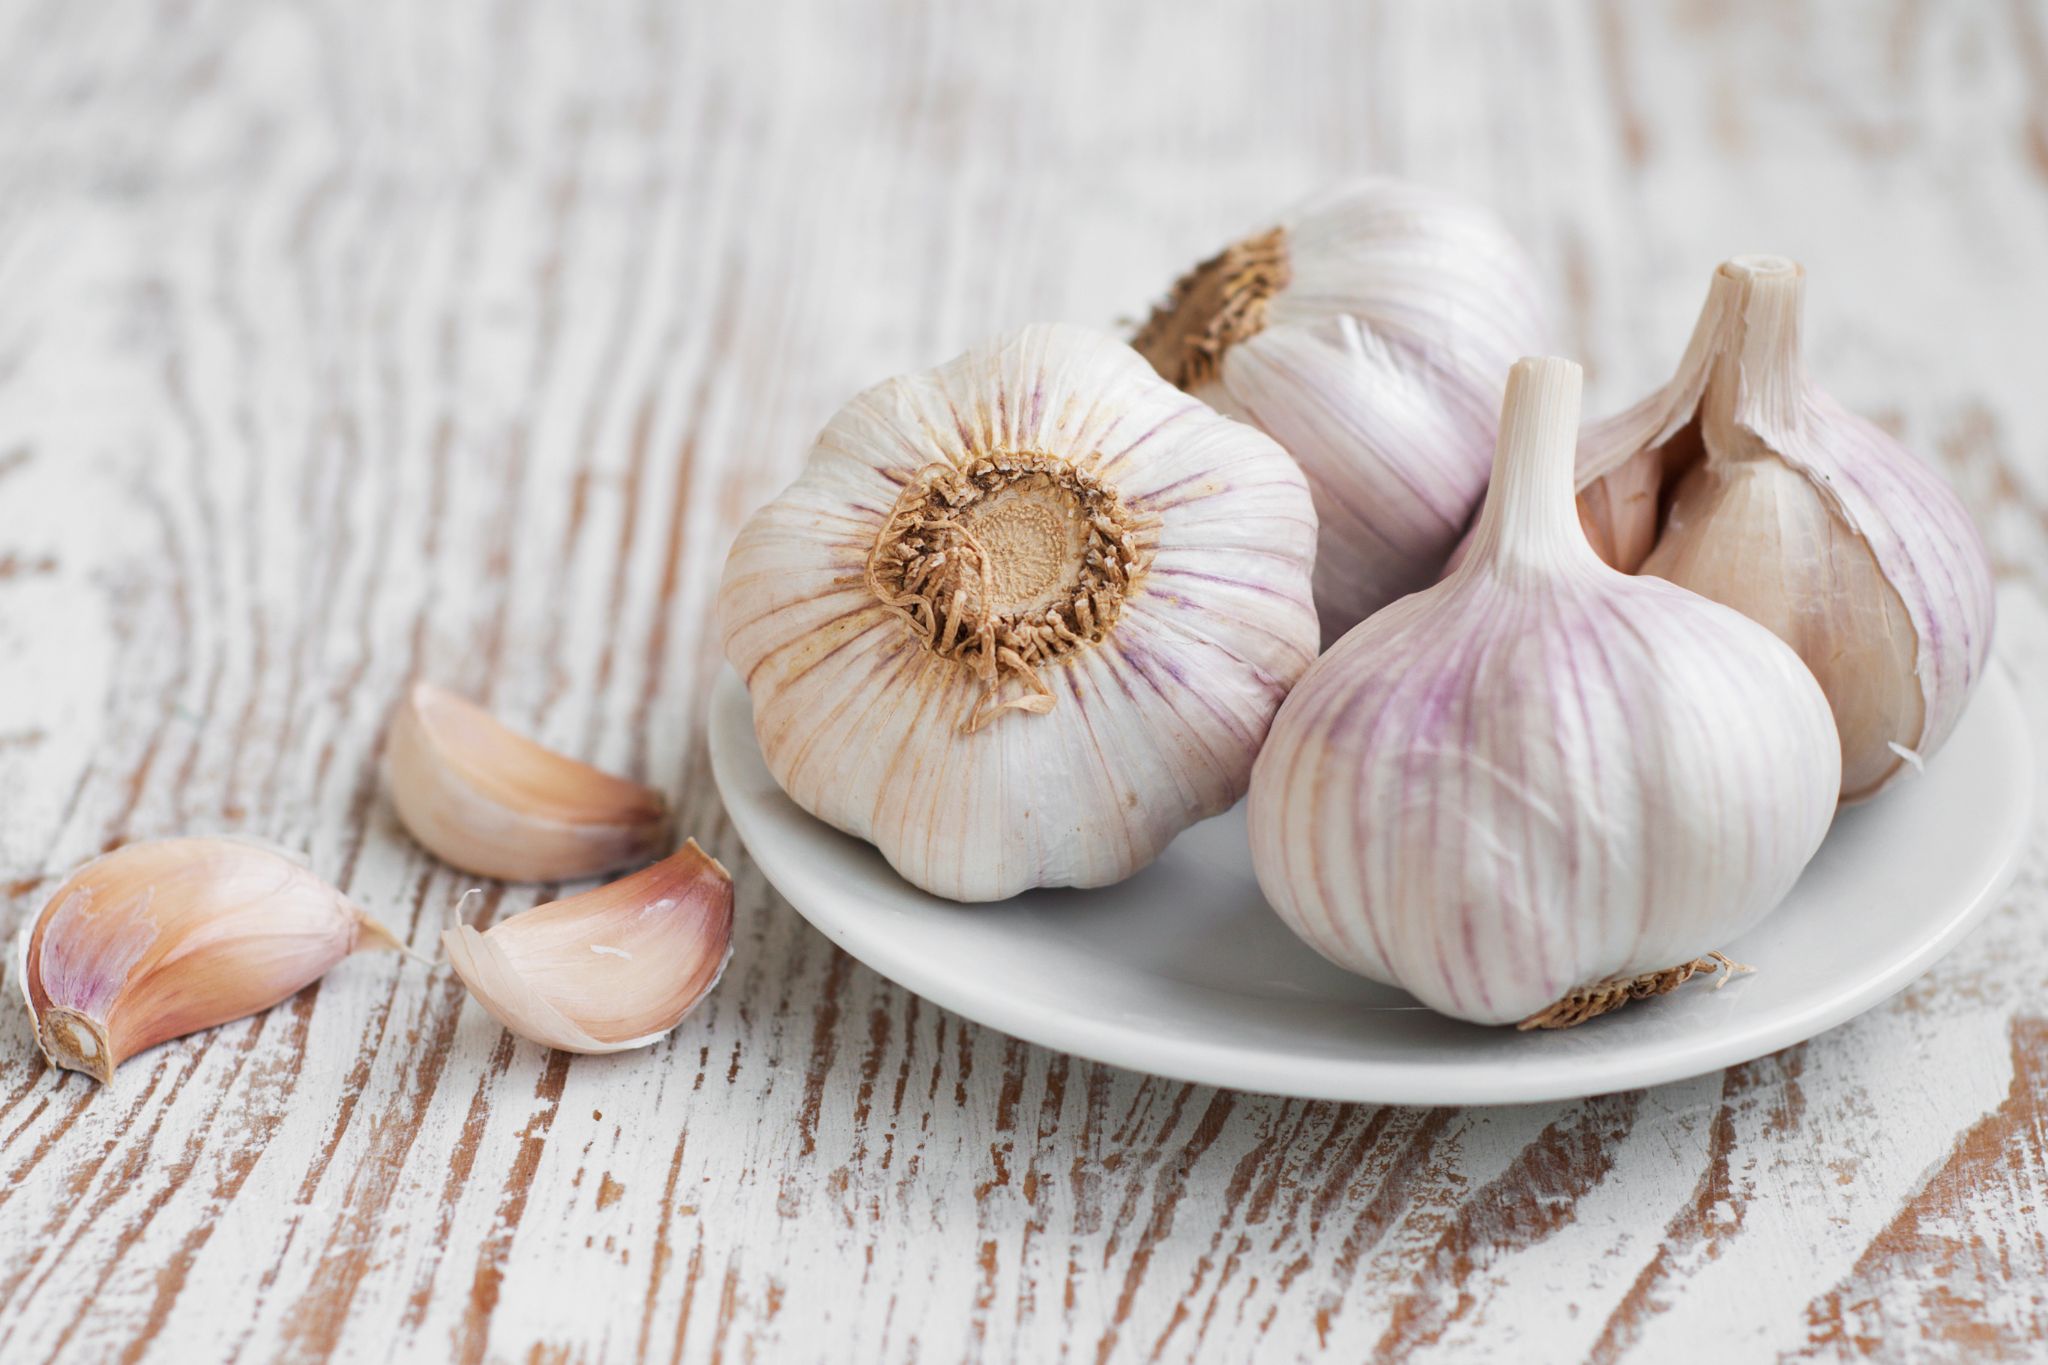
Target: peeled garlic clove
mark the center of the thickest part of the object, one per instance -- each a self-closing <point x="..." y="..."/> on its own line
<point x="608" y="970"/>
<point x="1542" y="786"/>
<point x="1368" y="334"/>
<point x="1744" y="482"/>
<point x="488" y="800"/>
<point x="156" y="940"/>
<point x="1025" y="617"/>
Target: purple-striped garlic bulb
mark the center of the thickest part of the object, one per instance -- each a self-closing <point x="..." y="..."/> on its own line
<point x="1742" y="480"/>
<point x="1025" y="617"/>
<point x="1368" y="333"/>
<point x="159" y="939"/>
<point x="1541" y="787"/>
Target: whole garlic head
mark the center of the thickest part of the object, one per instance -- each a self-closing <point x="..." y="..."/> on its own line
<point x="1025" y="617"/>
<point x="1541" y="780"/>
<point x="1743" y="481"/>
<point x="1368" y="334"/>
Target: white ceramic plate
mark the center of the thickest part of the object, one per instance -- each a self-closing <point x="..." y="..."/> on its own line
<point x="1183" y="971"/>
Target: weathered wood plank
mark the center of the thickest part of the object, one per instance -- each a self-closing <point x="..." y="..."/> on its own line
<point x="347" y="342"/>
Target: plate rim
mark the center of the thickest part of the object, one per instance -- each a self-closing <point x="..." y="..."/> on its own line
<point x="1363" y="1081"/>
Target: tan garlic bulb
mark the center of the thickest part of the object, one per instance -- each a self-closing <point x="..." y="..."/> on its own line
<point x="1368" y="333"/>
<point x="1541" y="788"/>
<point x="159" y="939"/>
<point x="1025" y="617"/>
<point x="1743" y="481"/>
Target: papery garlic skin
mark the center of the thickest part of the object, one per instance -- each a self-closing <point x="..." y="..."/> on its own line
<point x="1540" y="774"/>
<point x="160" y="939"/>
<point x="486" y="799"/>
<point x="1745" y="482"/>
<point x="1133" y="722"/>
<point x="1368" y="334"/>
<point x="611" y="969"/>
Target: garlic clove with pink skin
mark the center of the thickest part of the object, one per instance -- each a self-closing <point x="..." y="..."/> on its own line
<point x="1744" y="482"/>
<point x="1542" y="787"/>
<point x="1368" y="334"/>
<point x="486" y="799"/>
<point x="160" y="939"/>
<point x="611" y="969"/>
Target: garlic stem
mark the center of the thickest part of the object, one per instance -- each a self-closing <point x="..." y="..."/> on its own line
<point x="1529" y="521"/>
<point x="1758" y="378"/>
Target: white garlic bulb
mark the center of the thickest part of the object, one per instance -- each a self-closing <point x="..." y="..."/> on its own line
<point x="1743" y="481"/>
<point x="1025" y="617"/>
<point x="1541" y="787"/>
<point x="1368" y="334"/>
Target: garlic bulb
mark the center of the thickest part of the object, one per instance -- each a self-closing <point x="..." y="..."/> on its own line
<point x="608" y="970"/>
<point x="1744" y="482"/>
<point x="1025" y="617"/>
<point x="1541" y="787"/>
<point x="156" y="940"/>
<point x="489" y="800"/>
<point x="1368" y="334"/>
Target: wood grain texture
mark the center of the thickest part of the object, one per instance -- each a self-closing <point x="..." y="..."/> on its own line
<point x="346" y="342"/>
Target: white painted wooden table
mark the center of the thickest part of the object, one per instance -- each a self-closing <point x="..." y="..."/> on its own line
<point x="340" y="343"/>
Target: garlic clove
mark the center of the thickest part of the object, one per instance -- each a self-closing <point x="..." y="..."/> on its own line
<point x="1736" y="533"/>
<point x="1143" y="705"/>
<point x="611" y="969"/>
<point x="160" y="939"/>
<point x="488" y="800"/>
<point x="1541" y="788"/>
<point x="1743" y="481"/>
<point x="1368" y="334"/>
